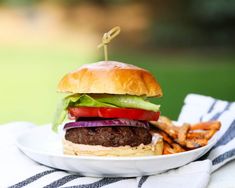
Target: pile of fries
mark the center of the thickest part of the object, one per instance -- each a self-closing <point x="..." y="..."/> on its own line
<point x="186" y="137"/>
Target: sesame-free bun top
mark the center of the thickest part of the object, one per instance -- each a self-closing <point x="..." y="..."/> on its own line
<point x="111" y="77"/>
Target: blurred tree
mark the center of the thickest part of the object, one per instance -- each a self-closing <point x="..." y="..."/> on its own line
<point x="182" y="23"/>
<point x="217" y="19"/>
<point x="187" y="23"/>
<point x="19" y="2"/>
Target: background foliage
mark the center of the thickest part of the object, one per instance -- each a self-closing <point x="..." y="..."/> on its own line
<point x="188" y="45"/>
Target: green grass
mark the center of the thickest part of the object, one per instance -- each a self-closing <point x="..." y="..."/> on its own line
<point x="28" y="80"/>
<point x="29" y="76"/>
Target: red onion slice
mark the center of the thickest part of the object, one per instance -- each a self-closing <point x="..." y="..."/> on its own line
<point x="107" y="123"/>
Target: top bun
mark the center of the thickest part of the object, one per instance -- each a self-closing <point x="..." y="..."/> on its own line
<point x="111" y="77"/>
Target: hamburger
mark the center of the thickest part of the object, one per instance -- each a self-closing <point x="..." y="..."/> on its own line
<point x="108" y="111"/>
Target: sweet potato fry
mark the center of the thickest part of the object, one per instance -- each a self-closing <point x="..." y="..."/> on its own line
<point x="196" y="134"/>
<point x="164" y="119"/>
<point x="196" y="143"/>
<point x="167" y="149"/>
<point x="165" y="136"/>
<point x="182" y="134"/>
<point x="210" y="133"/>
<point x="169" y="129"/>
<point x="202" y="134"/>
<point x="168" y="140"/>
<point x="177" y="148"/>
<point x="206" y="125"/>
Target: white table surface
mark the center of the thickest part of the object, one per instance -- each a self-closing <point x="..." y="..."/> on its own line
<point x="224" y="177"/>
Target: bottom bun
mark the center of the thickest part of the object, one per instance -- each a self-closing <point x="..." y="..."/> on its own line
<point x="155" y="148"/>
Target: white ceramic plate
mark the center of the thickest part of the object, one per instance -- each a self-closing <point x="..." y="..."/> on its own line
<point x="45" y="147"/>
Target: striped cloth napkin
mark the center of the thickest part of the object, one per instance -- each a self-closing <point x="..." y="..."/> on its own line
<point x="17" y="170"/>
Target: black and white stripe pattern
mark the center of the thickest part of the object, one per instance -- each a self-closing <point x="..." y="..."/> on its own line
<point x="228" y="136"/>
<point x="32" y="179"/>
<point x="196" y="108"/>
<point x="99" y="183"/>
<point x="142" y="180"/>
<point x="66" y="179"/>
<point x="62" y="181"/>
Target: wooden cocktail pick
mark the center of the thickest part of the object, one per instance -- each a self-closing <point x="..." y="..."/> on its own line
<point x="107" y="37"/>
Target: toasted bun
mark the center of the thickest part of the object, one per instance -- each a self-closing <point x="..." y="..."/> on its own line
<point x="154" y="148"/>
<point x="111" y="77"/>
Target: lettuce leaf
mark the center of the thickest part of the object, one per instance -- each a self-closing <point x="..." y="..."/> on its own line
<point x="88" y="101"/>
<point x="123" y="101"/>
<point x="128" y="101"/>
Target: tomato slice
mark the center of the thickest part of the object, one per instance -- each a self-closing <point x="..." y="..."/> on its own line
<point x="129" y="113"/>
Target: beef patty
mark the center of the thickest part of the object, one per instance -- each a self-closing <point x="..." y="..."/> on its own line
<point x="109" y="136"/>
